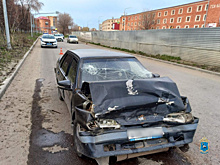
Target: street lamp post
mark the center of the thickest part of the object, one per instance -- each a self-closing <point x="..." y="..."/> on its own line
<point x="124" y="16"/>
<point x="206" y="14"/>
<point x="99" y="21"/>
<point x="6" y="25"/>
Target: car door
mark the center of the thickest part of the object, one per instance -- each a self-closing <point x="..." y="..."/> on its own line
<point x="72" y="74"/>
<point x="64" y="68"/>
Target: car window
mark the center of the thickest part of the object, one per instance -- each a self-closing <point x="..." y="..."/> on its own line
<point x="72" y="36"/>
<point x="65" y="64"/>
<point x="72" y="71"/>
<point x="48" y="37"/>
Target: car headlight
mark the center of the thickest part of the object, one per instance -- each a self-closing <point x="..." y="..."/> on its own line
<point x="108" y="123"/>
<point x="179" y="117"/>
<point x="103" y="123"/>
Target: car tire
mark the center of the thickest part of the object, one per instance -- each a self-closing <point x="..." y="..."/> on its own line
<point x="77" y="42"/>
<point x="41" y="46"/>
<point x="59" y="95"/>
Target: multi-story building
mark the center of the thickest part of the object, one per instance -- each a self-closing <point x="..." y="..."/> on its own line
<point x="53" y="21"/>
<point x="192" y="15"/>
<point x="107" y="25"/>
<point x="42" y="24"/>
<point x="45" y="24"/>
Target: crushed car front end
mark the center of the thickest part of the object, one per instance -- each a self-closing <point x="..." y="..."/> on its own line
<point x="131" y="118"/>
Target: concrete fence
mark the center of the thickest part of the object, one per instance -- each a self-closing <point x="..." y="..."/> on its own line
<point x="197" y="45"/>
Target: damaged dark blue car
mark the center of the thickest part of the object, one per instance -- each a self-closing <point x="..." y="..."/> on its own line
<point x="119" y="109"/>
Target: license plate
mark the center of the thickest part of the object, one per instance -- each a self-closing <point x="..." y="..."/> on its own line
<point x="49" y="43"/>
<point x="145" y="133"/>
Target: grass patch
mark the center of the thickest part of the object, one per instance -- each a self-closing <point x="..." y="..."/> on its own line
<point x="20" y="43"/>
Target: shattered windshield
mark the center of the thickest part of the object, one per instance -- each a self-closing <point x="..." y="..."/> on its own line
<point x="113" y="69"/>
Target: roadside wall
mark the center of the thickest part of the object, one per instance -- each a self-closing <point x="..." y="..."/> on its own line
<point x="197" y="45"/>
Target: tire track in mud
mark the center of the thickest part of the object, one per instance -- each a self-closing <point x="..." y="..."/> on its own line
<point x="41" y="138"/>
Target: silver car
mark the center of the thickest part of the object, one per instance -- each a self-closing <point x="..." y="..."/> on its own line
<point x="72" y="39"/>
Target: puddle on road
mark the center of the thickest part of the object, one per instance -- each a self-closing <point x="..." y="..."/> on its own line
<point x="47" y="147"/>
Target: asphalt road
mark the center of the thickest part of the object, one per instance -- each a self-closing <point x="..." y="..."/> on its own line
<point x="35" y="124"/>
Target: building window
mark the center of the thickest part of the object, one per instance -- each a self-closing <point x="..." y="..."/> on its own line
<point x="202" y="26"/>
<point x="139" y="23"/>
<point x="173" y="12"/>
<point x="140" y="17"/>
<point x="159" y="14"/>
<point x="164" y="27"/>
<point x="179" y="19"/>
<point x="171" y="27"/>
<point x="46" y="23"/>
<point x="181" y="11"/>
<point x="128" y="24"/>
<point x="143" y="23"/>
<point x="188" y="19"/>
<point x="178" y="27"/>
<point x="197" y="18"/>
<point x="132" y="24"/>
<point x="196" y="26"/>
<point x="189" y="10"/>
<point x="135" y="24"/>
<point x="204" y="17"/>
<point x="154" y="15"/>
<point x="187" y="26"/>
<point x="135" y="17"/>
<point x="164" y="20"/>
<point x="171" y="20"/>
<point x="165" y="13"/>
<point x="199" y="8"/>
<point x="158" y="21"/>
<point x="132" y="18"/>
<point x="128" y="18"/>
<point x="206" y="7"/>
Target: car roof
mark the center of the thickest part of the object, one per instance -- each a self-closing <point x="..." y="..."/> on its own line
<point x="98" y="53"/>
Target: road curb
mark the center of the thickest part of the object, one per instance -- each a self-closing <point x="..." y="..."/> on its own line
<point x="168" y="62"/>
<point x="6" y="83"/>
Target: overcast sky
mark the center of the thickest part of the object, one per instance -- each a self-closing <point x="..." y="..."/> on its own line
<point x="89" y="12"/>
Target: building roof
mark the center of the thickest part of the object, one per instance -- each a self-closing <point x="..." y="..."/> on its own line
<point x="42" y="17"/>
<point x="98" y="53"/>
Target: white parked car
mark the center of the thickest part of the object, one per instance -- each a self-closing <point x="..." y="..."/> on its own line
<point x="72" y="39"/>
<point x="48" y="40"/>
<point x="59" y="37"/>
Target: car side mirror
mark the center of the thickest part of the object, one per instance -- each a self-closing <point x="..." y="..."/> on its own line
<point x="64" y="84"/>
<point x="155" y="75"/>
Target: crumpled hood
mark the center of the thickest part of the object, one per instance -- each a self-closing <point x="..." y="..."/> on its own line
<point x="152" y="96"/>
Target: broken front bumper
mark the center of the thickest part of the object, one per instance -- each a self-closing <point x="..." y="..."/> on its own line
<point x="118" y="143"/>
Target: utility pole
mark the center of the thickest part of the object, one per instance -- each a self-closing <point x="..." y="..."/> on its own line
<point x="206" y="14"/>
<point x="6" y="25"/>
<point x="124" y="17"/>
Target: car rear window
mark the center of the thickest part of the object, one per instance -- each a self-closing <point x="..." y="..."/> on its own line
<point x="72" y="36"/>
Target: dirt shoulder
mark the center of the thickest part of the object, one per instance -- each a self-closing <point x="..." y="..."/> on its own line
<point x="15" y="114"/>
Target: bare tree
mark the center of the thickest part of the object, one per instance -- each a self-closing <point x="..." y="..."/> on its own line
<point x="64" y="20"/>
<point x="148" y="21"/>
